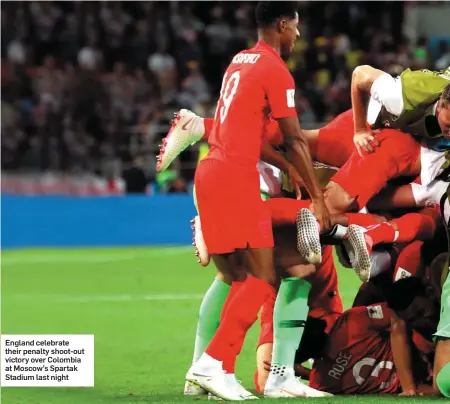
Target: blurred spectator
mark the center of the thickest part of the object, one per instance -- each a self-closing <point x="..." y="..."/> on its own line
<point x="135" y="179"/>
<point x="443" y="60"/>
<point x="178" y="186"/>
<point x="90" y="56"/>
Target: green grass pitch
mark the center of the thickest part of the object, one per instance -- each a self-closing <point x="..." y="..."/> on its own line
<point x="140" y="303"/>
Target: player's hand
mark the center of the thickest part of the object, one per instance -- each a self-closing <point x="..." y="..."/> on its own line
<point x="319" y="208"/>
<point x="296" y="180"/>
<point x="409" y="392"/>
<point x="365" y="142"/>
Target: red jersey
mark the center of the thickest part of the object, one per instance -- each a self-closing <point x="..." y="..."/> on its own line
<point x="358" y="357"/>
<point x="256" y="83"/>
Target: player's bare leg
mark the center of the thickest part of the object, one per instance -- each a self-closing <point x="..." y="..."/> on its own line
<point x="394" y="197"/>
<point x="338" y="200"/>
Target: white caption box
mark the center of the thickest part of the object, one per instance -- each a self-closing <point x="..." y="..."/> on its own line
<point x="47" y="360"/>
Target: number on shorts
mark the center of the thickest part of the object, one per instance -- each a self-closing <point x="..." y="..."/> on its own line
<point x="229" y="88"/>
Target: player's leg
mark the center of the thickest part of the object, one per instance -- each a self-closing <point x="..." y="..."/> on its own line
<point x="208" y="321"/>
<point x="361" y="178"/>
<point x="290" y="313"/>
<point x="442" y="366"/>
<point x="292" y="211"/>
<point x="223" y="234"/>
<point x="209" y="371"/>
<point x="442" y="356"/>
<point x="412" y="226"/>
<point x="333" y="144"/>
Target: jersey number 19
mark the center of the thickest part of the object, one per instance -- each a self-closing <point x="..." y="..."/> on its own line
<point x="227" y="92"/>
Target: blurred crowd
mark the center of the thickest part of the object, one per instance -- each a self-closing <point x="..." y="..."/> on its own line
<point x="90" y="87"/>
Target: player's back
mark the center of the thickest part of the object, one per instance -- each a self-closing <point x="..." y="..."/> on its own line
<point x="244" y="105"/>
<point x="358" y="358"/>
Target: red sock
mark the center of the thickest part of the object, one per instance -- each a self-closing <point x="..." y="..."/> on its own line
<point x="208" y="122"/>
<point x="266" y="332"/>
<point x="235" y="287"/>
<point x="239" y="317"/>
<point x="381" y="233"/>
<point x="284" y="210"/>
<point x="230" y="361"/>
<point x="361" y="219"/>
<point x="415" y="226"/>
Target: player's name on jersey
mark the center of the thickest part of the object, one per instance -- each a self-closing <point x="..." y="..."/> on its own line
<point x="250" y="58"/>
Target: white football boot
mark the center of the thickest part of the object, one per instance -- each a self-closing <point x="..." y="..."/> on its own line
<point x="282" y="383"/>
<point x="208" y="374"/>
<point x="308" y="237"/>
<point x="359" y="251"/>
<point x="237" y="386"/>
<point x="191" y="389"/>
<point x="199" y="243"/>
<point x="187" y="129"/>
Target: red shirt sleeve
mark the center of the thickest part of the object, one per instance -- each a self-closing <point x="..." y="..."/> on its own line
<point x="280" y="92"/>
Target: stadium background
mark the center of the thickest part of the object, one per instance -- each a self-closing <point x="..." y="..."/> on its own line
<point x="88" y="91"/>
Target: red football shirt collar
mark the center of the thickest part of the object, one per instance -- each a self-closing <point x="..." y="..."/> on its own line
<point x="264" y="45"/>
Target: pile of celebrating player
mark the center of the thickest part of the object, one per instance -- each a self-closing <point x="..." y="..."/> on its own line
<point x="268" y="217"/>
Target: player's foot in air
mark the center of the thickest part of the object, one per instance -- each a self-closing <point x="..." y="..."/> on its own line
<point x="359" y="249"/>
<point x="199" y="243"/>
<point x="187" y="129"/>
<point x="213" y="380"/>
<point x="288" y="386"/>
<point x="308" y="237"/>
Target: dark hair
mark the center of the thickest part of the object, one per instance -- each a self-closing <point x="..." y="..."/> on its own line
<point x="267" y="12"/>
<point x="445" y="97"/>
<point x="402" y="293"/>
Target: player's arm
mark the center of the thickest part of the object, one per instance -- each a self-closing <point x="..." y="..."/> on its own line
<point x="370" y="82"/>
<point x="279" y="89"/>
<point x="298" y="154"/>
<point x="362" y="79"/>
<point x="402" y="355"/>
<point x="271" y="156"/>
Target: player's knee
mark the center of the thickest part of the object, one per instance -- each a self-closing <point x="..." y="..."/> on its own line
<point x="338" y="200"/>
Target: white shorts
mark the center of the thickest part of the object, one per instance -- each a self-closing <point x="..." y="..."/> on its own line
<point x="270" y="179"/>
<point x="431" y="162"/>
<point x="431" y="194"/>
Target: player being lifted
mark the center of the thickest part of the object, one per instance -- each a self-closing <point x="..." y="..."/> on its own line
<point x="235" y="222"/>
